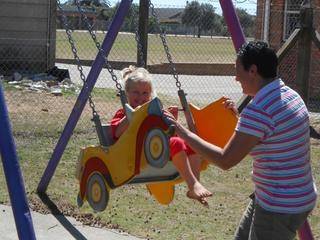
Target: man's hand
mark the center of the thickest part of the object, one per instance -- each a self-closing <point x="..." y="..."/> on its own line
<point x="229" y="104"/>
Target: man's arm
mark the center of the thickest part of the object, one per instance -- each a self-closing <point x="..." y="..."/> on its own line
<point x="235" y="150"/>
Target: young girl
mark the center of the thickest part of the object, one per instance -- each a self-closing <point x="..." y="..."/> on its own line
<point x="139" y="90"/>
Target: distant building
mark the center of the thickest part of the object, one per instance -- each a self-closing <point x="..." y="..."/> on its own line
<point x="171" y="19"/>
<point x="168" y="17"/>
<point x="74" y="16"/>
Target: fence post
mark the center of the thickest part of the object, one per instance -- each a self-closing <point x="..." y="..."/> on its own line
<point x="143" y="33"/>
<point x="304" y="50"/>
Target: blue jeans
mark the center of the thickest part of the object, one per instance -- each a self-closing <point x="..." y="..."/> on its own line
<point x="259" y="224"/>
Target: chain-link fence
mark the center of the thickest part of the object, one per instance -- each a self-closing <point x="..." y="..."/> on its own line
<point x="42" y="80"/>
<point x="276" y="24"/>
<point x="199" y="42"/>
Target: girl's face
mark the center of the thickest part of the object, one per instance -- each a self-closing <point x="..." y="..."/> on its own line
<point x="139" y="93"/>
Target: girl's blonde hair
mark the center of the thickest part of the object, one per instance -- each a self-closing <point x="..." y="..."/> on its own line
<point x="132" y="74"/>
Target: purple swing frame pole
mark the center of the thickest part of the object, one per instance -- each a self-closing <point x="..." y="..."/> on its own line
<point x="233" y="23"/>
<point x="84" y="94"/>
<point x="238" y="40"/>
<point x="13" y="175"/>
<point x="305" y="232"/>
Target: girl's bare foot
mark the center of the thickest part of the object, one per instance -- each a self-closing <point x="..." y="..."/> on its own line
<point x="200" y="193"/>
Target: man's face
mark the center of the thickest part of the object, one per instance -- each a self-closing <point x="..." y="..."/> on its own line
<point x="246" y="78"/>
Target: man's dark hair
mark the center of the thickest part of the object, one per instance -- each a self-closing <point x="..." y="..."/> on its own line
<point x="259" y="54"/>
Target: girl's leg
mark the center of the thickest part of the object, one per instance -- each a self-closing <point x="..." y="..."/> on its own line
<point x="195" y="164"/>
<point x="196" y="190"/>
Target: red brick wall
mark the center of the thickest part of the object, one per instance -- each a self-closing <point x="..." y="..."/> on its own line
<point x="276" y="23"/>
<point x="259" y="20"/>
<point x="315" y="58"/>
<point x="287" y="68"/>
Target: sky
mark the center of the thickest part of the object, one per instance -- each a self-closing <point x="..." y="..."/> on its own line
<point x="249" y="5"/>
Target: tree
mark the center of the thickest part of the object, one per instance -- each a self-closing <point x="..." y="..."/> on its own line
<point x="207" y="18"/>
<point x="99" y="7"/>
<point x="104" y="14"/>
<point x="247" y="22"/>
<point x="191" y="14"/>
<point x="131" y="21"/>
<point x="152" y="25"/>
<point x="220" y="27"/>
<point x="90" y="3"/>
<point x="201" y="17"/>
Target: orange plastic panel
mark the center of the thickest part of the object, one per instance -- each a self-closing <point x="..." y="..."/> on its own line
<point x="162" y="192"/>
<point x="214" y="123"/>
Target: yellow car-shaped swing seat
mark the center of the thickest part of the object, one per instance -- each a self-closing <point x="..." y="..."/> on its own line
<point x="141" y="154"/>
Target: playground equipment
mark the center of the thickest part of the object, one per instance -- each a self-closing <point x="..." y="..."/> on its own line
<point x="13" y="175"/>
<point x="114" y="161"/>
<point x="96" y="183"/>
<point x="141" y="154"/>
<point x="143" y="145"/>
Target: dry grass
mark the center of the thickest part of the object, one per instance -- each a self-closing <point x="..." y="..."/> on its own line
<point x="183" y="48"/>
<point x="38" y="120"/>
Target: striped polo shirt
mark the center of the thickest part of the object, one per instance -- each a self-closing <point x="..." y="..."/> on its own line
<point x="281" y="161"/>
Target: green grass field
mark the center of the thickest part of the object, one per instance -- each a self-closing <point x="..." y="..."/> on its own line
<point x="183" y="48"/>
<point x="38" y="120"/>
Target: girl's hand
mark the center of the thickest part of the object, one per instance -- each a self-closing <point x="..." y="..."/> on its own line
<point x="174" y="111"/>
<point x="229" y="104"/>
<point x="169" y="115"/>
<point x="179" y="129"/>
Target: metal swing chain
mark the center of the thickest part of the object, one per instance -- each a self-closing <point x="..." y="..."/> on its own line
<point x="137" y="38"/>
<point x="75" y="54"/>
<point x="98" y="45"/>
<point x="166" y="47"/>
<point x="181" y="93"/>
